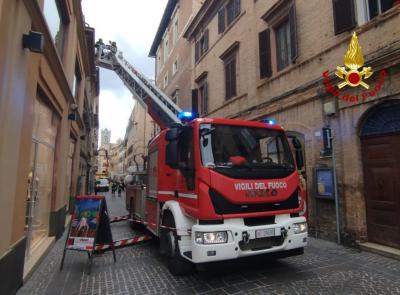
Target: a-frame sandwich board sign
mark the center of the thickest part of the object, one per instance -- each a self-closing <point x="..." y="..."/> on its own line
<point x="89" y="226"/>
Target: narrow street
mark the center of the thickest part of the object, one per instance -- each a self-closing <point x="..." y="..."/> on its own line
<point x="325" y="268"/>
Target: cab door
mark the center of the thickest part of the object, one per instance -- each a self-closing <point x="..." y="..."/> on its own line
<point x="186" y="175"/>
<point x="151" y="196"/>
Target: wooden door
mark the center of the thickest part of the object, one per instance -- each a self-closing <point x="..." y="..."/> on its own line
<point x="381" y="161"/>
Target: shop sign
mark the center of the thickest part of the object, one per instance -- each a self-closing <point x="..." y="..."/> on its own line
<point x="90" y="226"/>
<point x="354" y="74"/>
<point x="84" y="223"/>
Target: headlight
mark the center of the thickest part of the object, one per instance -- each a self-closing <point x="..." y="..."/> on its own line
<point x="300" y="227"/>
<point x="218" y="237"/>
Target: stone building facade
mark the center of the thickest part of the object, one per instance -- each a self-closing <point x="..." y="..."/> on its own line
<point x="266" y="60"/>
<point x="117" y="160"/>
<point x="139" y="131"/>
<point x="172" y="53"/>
<point x="48" y="110"/>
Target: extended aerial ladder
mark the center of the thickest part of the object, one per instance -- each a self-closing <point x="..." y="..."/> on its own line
<point x="160" y="107"/>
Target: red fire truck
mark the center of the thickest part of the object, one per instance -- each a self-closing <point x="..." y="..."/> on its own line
<point x="217" y="189"/>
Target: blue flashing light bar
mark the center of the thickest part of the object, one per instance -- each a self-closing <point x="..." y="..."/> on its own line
<point x="269" y="121"/>
<point x="187" y="116"/>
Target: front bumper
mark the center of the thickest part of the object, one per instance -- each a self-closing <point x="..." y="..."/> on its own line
<point x="284" y="240"/>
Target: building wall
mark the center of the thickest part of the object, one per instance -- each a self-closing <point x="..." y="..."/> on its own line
<point x="295" y="96"/>
<point x="178" y="51"/>
<point x="141" y="128"/>
<point x="24" y="76"/>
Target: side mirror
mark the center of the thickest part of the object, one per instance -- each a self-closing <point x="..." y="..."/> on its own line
<point x="172" y="134"/>
<point x="298" y="153"/>
<point x="171" y="154"/>
<point x="299" y="159"/>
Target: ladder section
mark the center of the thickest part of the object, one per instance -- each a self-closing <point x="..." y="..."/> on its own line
<point x="160" y="107"/>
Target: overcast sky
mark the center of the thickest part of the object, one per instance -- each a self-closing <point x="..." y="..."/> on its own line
<point x="133" y="25"/>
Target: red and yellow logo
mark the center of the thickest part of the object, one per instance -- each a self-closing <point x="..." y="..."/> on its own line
<point x="353" y="74"/>
<point x="353" y="60"/>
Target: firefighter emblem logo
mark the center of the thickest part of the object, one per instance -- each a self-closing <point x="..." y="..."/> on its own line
<point x="353" y="60"/>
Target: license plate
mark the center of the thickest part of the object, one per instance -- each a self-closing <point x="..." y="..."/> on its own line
<point x="264" y="233"/>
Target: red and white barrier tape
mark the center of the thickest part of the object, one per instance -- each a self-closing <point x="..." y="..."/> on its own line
<point x="126" y="218"/>
<point x="118" y="218"/>
<point x="161" y="226"/>
<point x="123" y="243"/>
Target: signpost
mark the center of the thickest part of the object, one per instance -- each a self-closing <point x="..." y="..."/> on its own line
<point x="89" y="226"/>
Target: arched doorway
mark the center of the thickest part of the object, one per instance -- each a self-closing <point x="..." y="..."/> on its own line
<point x="380" y="146"/>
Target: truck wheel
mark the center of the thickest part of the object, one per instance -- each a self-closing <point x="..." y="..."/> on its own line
<point x="169" y="246"/>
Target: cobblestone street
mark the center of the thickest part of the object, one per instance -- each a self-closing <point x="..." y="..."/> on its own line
<point x="325" y="268"/>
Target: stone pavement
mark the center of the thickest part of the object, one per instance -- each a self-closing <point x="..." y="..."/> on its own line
<point x="325" y="268"/>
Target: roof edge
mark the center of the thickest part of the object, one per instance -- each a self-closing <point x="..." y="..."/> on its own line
<point x="169" y="9"/>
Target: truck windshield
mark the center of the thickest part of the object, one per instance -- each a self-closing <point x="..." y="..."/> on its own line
<point x="245" y="152"/>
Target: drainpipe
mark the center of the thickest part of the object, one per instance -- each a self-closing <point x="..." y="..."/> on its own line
<point x="335" y="186"/>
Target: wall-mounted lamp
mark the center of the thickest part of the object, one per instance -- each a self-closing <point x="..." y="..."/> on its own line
<point x="329" y="108"/>
<point x="33" y="41"/>
<point x="72" y="111"/>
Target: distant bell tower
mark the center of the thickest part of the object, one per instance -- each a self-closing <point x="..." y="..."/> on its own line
<point x="105" y="138"/>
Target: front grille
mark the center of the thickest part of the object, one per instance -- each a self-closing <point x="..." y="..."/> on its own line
<point x="262" y="243"/>
<point x="223" y="206"/>
<point x="255" y="221"/>
<point x="208" y="222"/>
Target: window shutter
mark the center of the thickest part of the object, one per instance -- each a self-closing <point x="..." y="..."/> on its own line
<point x="233" y="77"/>
<point x="195" y="103"/>
<point x="293" y="33"/>
<point x="265" y="54"/>
<point x="206" y="40"/>
<point x="221" y="20"/>
<point x="196" y="51"/>
<point x="237" y="7"/>
<point x="227" y="81"/>
<point x="205" y="110"/>
<point x="343" y="15"/>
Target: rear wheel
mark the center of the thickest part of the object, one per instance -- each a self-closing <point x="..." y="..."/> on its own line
<point x="169" y="246"/>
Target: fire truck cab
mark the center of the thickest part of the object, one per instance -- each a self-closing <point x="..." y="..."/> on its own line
<point x="222" y="189"/>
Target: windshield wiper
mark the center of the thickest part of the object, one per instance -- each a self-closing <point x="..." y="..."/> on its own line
<point x="271" y="165"/>
<point x="221" y="165"/>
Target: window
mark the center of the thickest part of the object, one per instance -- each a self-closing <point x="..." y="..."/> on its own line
<point x="202" y="96"/>
<point x="283" y="45"/>
<point x="175" y="67"/>
<point x="175" y="30"/>
<point x="166" y="81"/>
<point x="201" y="46"/>
<point x="282" y="19"/>
<point x="343" y="15"/>
<point x="56" y="21"/>
<point x="232" y="11"/>
<point x="265" y="54"/>
<point x="158" y="64"/>
<point x="174" y="96"/>
<point x="244" y="152"/>
<point x="166" y="49"/>
<point x="76" y="82"/>
<point x="368" y="9"/>
<point x="227" y="14"/>
<point x="186" y="156"/>
<point x="229" y="58"/>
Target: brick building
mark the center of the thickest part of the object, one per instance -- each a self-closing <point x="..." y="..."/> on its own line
<point x="265" y="60"/>
<point x="48" y="130"/>
<point x="138" y="133"/>
<point x="172" y="52"/>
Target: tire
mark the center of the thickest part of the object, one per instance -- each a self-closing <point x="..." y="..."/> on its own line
<point x="177" y="265"/>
